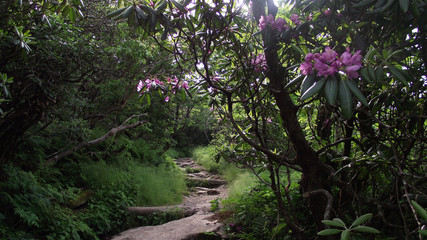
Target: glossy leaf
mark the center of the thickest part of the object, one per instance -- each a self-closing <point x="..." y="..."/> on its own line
<point x="127" y="12"/>
<point x="327" y="232"/>
<point x="363" y="3"/>
<point x="338" y="220"/>
<point x="365" y="75"/>
<point x="361" y="220"/>
<point x="365" y="229"/>
<point x="295" y="81"/>
<point x="307" y="82"/>
<point x="419" y="210"/>
<point x="356" y="91"/>
<point x="345" y="98"/>
<point x="331" y="90"/>
<point x="399" y="76"/>
<point x="116" y="13"/>
<point x="371" y="73"/>
<point x="179" y="6"/>
<point x="345" y="235"/>
<point x="333" y="223"/>
<point x="315" y="88"/>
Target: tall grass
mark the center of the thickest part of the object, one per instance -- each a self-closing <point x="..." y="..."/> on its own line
<point x="149" y="185"/>
<point x="204" y="156"/>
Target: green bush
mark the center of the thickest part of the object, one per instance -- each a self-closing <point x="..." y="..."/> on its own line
<point x="32" y="209"/>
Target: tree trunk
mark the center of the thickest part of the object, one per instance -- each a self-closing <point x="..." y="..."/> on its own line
<point x="314" y="176"/>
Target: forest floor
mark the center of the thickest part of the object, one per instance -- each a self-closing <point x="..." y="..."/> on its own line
<point x="200" y="223"/>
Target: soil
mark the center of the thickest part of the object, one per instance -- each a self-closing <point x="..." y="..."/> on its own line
<point x="202" y="224"/>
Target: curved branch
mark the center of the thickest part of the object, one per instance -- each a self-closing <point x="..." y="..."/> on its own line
<point x="250" y="141"/>
<point x="328" y="196"/>
<point x="112" y="132"/>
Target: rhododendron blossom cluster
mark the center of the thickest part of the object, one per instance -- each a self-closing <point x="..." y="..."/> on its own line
<point x="154" y="83"/>
<point x="259" y="63"/>
<point x="279" y="24"/>
<point x="329" y="63"/>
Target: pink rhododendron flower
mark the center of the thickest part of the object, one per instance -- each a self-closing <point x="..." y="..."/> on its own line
<point x="184" y="85"/>
<point x="327" y="12"/>
<point x="139" y="86"/>
<point x="259" y="63"/>
<point x="294" y="19"/>
<point x="329" y="55"/>
<point x="167" y="99"/>
<point x="351" y="71"/>
<point x="329" y="63"/>
<point x="279" y="24"/>
<point x="306" y="68"/>
<point x="262" y="23"/>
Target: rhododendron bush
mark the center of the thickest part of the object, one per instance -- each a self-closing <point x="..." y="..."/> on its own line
<point x="331" y="89"/>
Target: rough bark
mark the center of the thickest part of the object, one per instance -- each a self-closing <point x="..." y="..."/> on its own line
<point x="314" y="176"/>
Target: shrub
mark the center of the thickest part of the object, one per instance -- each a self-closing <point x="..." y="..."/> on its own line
<point x="32" y="209"/>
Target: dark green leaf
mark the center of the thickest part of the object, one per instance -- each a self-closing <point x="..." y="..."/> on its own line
<point x="420" y="210"/>
<point x="297" y="49"/>
<point x="379" y="74"/>
<point x="345" y="97"/>
<point x="315" y="88"/>
<point x="338" y="220"/>
<point x="116" y="13"/>
<point x="164" y="35"/>
<point x="365" y="229"/>
<point x="327" y="232"/>
<point x="294" y="81"/>
<point x="148" y="99"/>
<point x="423" y="232"/>
<point x="356" y="91"/>
<point x="162" y="6"/>
<point x="363" y="3"/>
<point x="414" y="9"/>
<point x="72" y="15"/>
<point x="345" y="235"/>
<point x="179" y="6"/>
<point x="333" y="223"/>
<point x="399" y="76"/>
<point x="331" y="90"/>
<point x="307" y="82"/>
<point x="362" y="219"/>
<point x="371" y="73"/>
<point x="141" y="15"/>
<point x="126" y="13"/>
<point x="365" y="75"/>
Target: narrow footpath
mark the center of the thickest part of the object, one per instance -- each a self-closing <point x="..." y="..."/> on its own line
<point x="204" y="187"/>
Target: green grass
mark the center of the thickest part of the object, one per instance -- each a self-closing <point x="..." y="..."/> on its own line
<point x="204" y="156"/>
<point x="154" y="186"/>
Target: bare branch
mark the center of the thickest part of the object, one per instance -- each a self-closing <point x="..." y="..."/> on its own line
<point x="328" y="196"/>
<point x="112" y="132"/>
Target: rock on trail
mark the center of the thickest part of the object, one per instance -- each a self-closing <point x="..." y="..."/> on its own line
<point x="196" y="206"/>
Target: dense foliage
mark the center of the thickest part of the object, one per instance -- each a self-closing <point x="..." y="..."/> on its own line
<point x="77" y="145"/>
<point x="322" y="101"/>
<point x="332" y="89"/>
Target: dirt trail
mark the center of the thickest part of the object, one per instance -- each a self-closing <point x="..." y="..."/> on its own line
<point x="205" y="187"/>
